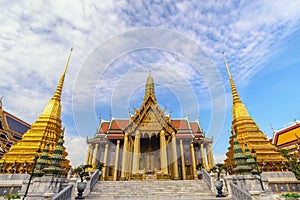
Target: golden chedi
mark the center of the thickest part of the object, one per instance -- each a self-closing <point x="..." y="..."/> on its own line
<point x="47" y="127"/>
<point x="247" y="132"/>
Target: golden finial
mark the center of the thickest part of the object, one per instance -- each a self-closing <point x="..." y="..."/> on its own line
<point x="58" y="90"/>
<point x="149" y="90"/>
<point x="228" y="71"/>
<point x="272" y="128"/>
<point x="67" y="64"/>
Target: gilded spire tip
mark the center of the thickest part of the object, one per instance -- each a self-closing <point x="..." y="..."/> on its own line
<point x="58" y="90"/>
<point x="68" y="60"/>
<point x="228" y="71"/>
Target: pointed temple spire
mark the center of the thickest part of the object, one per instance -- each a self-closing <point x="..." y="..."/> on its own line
<point x="58" y="90"/>
<point x="248" y="134"/>
<point x="149" y="90"/>
<point x="240" y="159"/>
<point x="235" y="95"/>
<point x="43" y="161"/>
<point x="56" y="160"/>
<point x="46" y="128"/>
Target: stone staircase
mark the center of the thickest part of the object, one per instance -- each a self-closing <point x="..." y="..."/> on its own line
<point x="155" y="190"/>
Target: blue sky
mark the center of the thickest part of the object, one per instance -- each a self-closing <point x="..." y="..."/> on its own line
<point x="260" y="38"/>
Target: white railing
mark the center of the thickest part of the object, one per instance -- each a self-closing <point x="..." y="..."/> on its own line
<point x="94" y="179"/>
<point x="238" y="193"/>
<point x="65" y="194"/>
<point x="206" y="177"/>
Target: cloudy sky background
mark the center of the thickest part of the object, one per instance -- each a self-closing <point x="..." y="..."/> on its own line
<point x="260" y="38"/>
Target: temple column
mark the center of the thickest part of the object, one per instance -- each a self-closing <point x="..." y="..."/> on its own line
<point x="211" y="156"/>
<point x="182" y="161"/>
<point x="105" y="160"/>
<point x="208" y="158"/>
<point x="129" y="162"/>
<point x="88" y="154"/>
<point x="95" y="155"/>
<point x="152" y="161"/>
<point x="125" y="157"/>
<point x="91" y="154"/>
<point x="163" y="153"/>
<point x="136" y="157"/>
<point x="174" y="155"/>
<point x="203" y="156"/>
<point x="117" y="161"/>
<point x="193" y="161"/>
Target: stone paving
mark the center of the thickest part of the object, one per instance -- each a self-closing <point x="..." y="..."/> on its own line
<point x="155" y="190"/>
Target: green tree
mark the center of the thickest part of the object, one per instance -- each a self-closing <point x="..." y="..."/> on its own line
<point x="293" y="162"/>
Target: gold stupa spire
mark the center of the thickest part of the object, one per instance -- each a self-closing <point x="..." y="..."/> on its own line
<point x="149" y="90"/>
<point x="247" y="132"/>
<point x="58" y="90"/>
<point x="47" y="127"/>
<point x="235" y="95"/>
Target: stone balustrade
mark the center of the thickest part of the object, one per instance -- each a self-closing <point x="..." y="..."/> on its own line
<point x="238" y="193"/>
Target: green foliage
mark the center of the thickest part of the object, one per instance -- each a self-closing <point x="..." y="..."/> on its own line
<point x="293" y="195"/>
<point x="218" y="168"/>
<point x="293" y="162"/>
<point x="100" y="165"/>
<point x="81" y="171"/>
<point x="12" y="196"/>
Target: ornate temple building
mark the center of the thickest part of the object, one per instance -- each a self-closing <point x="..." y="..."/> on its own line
<point x="150" y="145"/>
<point x="11" y="129"/>
<point x="248" y="133"/>
<point x="288" y="138"/>
<point x="47" y="129"/>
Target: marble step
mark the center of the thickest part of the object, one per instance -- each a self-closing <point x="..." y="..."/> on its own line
<point x="156" y="190"/>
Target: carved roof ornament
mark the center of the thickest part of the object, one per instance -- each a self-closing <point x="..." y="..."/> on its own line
<point x="149" y="90"/>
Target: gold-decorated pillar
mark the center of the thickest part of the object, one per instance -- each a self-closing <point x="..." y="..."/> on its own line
<point x="211" y="156"/>
<point x="163" y="153"/>
<point x="91" y="154"/>
<point x="193" y="161"/>
<point x="95" y="155"/>
<point x="136" y="157"/>
<point x="182" y="161"/>
<point x="105" y="160"/>
<point x="203" y="156"/>
<point x="129" y="162"/>
<point x="174" y="157"/>
<point x="117" y="161"/>
<point x="88" y="154"/>
<point x="125" y="157"/>
<point x="208" y="158"/>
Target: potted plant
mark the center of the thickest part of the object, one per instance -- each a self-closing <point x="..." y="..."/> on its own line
<point x="99" y="166"/>
<point x="218" y="168"/>
<point x="199" y="170"/>
<point x="83" y="174"/>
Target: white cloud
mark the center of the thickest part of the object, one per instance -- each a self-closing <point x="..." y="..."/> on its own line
<point x="77" y="149"/>
<point x="35" y="37"/>
<point x="219" y="158"/>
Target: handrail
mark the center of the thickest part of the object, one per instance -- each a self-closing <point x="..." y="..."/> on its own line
<point x="94" y="179"/>
<point x="65" y="194"/>
<point x="206" y="178"/>
<point x="238" y="193"/>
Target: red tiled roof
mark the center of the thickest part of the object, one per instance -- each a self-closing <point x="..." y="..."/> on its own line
<point x="195" y="127"/>
<point x="180" y="123"/>
<point x="119" y="123"/>
<point x="104" y="127"/>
